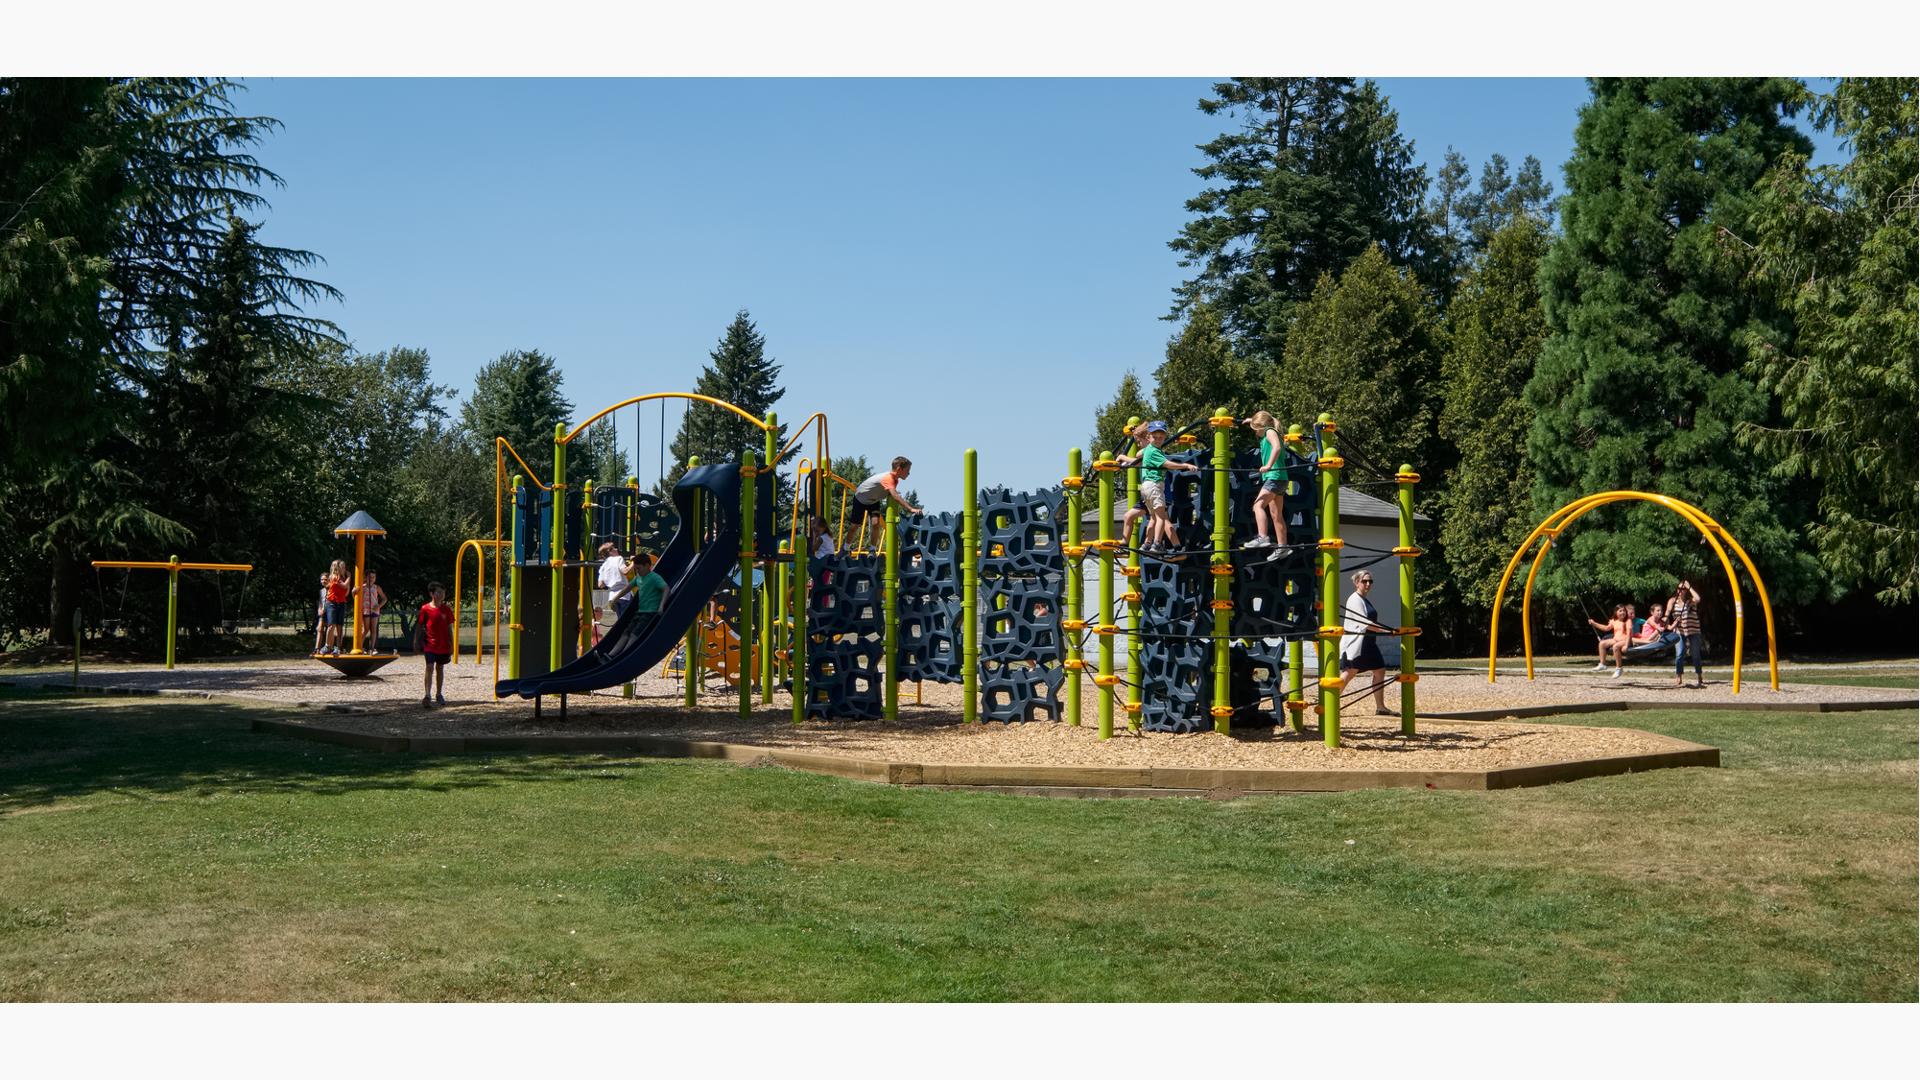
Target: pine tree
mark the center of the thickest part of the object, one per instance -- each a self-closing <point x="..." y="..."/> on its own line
<point x="1494" y="333"/>
<point x="1836" y="245"/>
<point x="1365" y="348"/>
<point x="519" y="396"/>
<point x="1501" y="199"/>
<point x="1110" y="421"/>
<point x="1317" y="172"/>
<point x="1639" y="385"/>
<point x="741" y="374"/>
<point x="1447" y="212"/>
<point x="1201" y="373"/>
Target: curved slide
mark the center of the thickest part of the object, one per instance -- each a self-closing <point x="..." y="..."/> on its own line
<point x="636" y="641"/>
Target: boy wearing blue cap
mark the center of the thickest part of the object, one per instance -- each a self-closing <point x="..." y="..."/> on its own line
<point x="1153" y="463"/>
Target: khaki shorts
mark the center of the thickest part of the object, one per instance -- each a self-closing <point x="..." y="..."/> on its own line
<point x="1153" y="495"/>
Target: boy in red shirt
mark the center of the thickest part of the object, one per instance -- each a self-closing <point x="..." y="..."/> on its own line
<point x="433" y="639"/>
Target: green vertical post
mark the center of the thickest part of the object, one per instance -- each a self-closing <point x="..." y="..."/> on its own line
<point x="690" y="653"/>
<point x="890" y="597"/>
<point x="513" y="590"/>
<point x="970" y="590"/>
<point x="1105" y="681"/>
<point x="1222" y="425"/>
<point x="797" y="596"/>
<point x="748" y="482"/>
<point x="768" y="573"/>
<point x="76" y="647"/>
<point x="588" y="581"/>
<point x="1132" y="699"/>
<point x="1330" y="610"/>
<point x="1296" y="658"/>
<point x="782" y="630"/>
<point x="1075" y="600"/>
<point x="631" y="549"/>
<point x="558" y="587"/>
<point x="1409" y="671"/>
<point x="173" y="605"/>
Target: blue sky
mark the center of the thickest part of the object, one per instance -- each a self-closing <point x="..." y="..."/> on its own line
<point x="937" y="264"/>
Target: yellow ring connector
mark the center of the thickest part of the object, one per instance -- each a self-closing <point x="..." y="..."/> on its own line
<point x="1332" y="682"/>
<point x="1074" y="665"/>
<point x="1331" y="632"/>
<point x="1298" y="706"/>
<point x="1325" y="425"/>
<point x="1407" y="477"/>
<point x="1074" y="551"/>
<point x="1221" y="712"/>
<point x="1129" y="571"/>
<point x="1132" y="597"/>
<point x="1106" y="629"/>
<point x="1333" y="544"/>
<point x="1333" y="463"/>
<point x="1406" y="678"/>
<point x="1073" y="624"/>
<point x="1106" y="680"/>
<point x="1408" y="552"/>
<point x="1105" y="545"/>
<point x="1073" y="483"/>
<point x="1408" y="631"/>
<point x="1221" y="571"/>
<point x="1132" y="707"/>
<point x="1220" y="605"/>
<point x="1188" y="439"/>
<point x="1107" y="466"/>
<point x="1219" y="423"/>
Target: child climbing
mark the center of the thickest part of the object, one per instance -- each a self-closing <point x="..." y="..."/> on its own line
<point x="870" y="500"/>
<point x="1161" y="535"/>
<point x="1269" y="511"/>
<point x="1138" y="433"/>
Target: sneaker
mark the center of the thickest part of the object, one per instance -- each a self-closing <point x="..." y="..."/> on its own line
<point x="1616" y="674"/>
<point x="1276" y="553"/>
<point x="440" y="699"/>
<point x="1259" y="542"/>
<point x="426" y="703"/>
<point x="1599" y="667"/>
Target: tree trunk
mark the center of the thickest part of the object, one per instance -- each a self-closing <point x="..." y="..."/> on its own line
<point x="64" y="598"/>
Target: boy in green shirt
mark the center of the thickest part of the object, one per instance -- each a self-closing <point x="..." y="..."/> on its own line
<point x="649" y="588"/>
<point x="1153" y="490"/>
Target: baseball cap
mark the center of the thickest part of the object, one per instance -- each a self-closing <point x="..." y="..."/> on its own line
<point x="1157" y="425"/>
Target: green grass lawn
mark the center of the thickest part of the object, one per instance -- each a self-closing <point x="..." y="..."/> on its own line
<point x="159" y="850"/>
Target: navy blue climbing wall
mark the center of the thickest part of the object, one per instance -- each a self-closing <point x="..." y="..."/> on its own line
<point x="846" y="628"/>
<point x="1022" y="569"/>
<point x="930" y="598"/>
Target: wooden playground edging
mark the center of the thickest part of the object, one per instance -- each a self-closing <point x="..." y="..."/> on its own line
<point x="1071" y="780"/>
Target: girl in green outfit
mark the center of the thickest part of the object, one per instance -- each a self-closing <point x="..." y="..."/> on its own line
<point x="1269" y="513"/>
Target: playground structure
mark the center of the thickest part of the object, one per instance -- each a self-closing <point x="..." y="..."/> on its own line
<point x="1716" y="536"/>
<point x="1215" y="637"/>
<point x="173" y="566"/>
<point x="359" y="662"/>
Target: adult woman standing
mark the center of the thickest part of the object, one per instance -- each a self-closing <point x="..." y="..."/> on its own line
<point x="1358" y="650"/>
<point x="1683" y="613"/>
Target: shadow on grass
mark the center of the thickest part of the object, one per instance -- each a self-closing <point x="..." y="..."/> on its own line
<point x="55" y="749"/>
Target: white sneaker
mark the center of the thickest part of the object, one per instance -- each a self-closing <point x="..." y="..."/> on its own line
<point x="1259" y="542"/>
<point x="1616" y="673"/>
<point x="1276" y="553"/>
<point x="1599" y="667"/>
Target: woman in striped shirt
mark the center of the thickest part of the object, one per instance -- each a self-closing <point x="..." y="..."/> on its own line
<point x="1683" y="612"/>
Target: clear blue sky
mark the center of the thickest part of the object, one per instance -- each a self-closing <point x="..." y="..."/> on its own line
<point x="937" y="264"/>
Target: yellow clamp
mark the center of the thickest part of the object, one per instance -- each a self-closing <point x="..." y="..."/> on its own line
<point x="1074" y="665"/>
<point x="1222" y="423"/>
<point x="1298" y="706"/>
<point x="1129" y="571"/>
<point x="1132" y="707"/>
<point x="1221" y="605"/>
<point x="1331" y="682"/>
<point x="1220" y="571"/>
<point x="515" y="626"/>
<point x="1221" y="712"/>
<point x="1292" y="439"/>
<point x="1108" y="465"/>
<point x="1106" y="629"/>
<point x="1333" y="544"/>
<point x="1073" y="483"/>
<point x="1074" y="551"/>
<point x="1325" y="425"/>
<point x="1132" y="597"/>
<point x="1406" y="678"/>
<point x="1333" y="462"/>
<point x="1106" y="680"/>
<point x="1330" y="632"/>
<point x="1189" y="439"/>
<point x="1073" y="624"/>
<point x="1105" y="545"/>
<point x="1408" y="631"/>
<point x="1408" y="552"/>
<point x="1407" y="477"/>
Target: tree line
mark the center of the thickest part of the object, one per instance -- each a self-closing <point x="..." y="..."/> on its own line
<point x="1700" y="313"/>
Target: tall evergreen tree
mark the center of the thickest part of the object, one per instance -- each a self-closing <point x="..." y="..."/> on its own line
<point x="1501" y="198"/>
<point x="1447" y="211"/>
<point x="1110" y="420"/>
<point x="1316" y="173"/>
<point x="1201" y="373"/>
<point x="742" y="374"/>
<point x="1639" y="385"/>
<point x="1365" y="347"/>
<point x="521" y="396"/>
<point x="1494" y="333"/>
<point x="1836" y="245"/>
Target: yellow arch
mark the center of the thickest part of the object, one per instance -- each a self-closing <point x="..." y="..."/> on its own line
<point x="1712" y="531"/>
<point x="727" y="405"/>
<point x="480" y="607"/>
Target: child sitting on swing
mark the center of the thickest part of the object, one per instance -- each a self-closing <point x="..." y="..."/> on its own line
<point x="1621" y="629"/>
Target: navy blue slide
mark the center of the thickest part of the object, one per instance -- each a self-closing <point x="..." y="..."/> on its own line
<point x="636" y="641"/>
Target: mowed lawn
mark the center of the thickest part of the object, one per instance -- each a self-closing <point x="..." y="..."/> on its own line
<point x="160" y="850"/>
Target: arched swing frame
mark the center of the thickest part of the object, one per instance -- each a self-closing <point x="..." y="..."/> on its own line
<point x="1715" y="534"/>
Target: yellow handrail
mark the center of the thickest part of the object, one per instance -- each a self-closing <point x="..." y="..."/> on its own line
<point x="480" y="572"/>
<point x="117" y="564"/>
